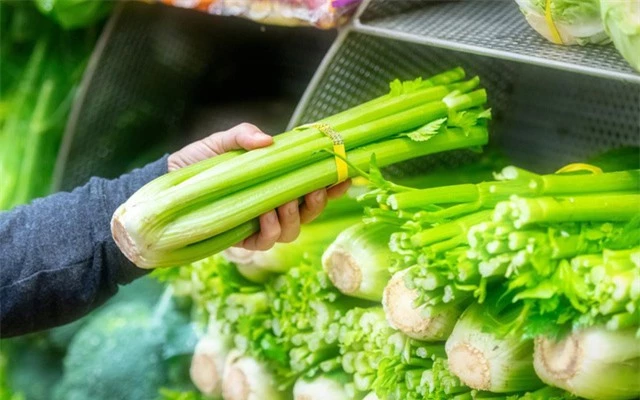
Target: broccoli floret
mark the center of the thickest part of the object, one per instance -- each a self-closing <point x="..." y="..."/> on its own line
<point x="117" y="355"/>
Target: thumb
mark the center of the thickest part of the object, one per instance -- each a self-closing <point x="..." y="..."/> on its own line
<point x="244" y="136"/>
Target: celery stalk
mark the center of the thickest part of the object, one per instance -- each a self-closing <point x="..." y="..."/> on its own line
<point x="434" y="324"/>
<point x="358" y="261"/>
<point x="595" y="363"/>
<point x="483" y="357"/>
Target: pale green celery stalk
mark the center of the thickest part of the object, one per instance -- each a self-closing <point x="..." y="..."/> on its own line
<point x="421" y="322"/>
<point x="359" y="259"/>
<point x="449" y="77"/>
<point x="449" y="230"/>
<point x="313" y="240"/>
<point x="594" y="363"/>
<point x="148" y="217"/>
<point x="517" y="182"/>
<point x="351" y="118"/>
<point x="604" y="207"/>
<point x="334" y="386"/>
<point x="289" y="151"/>
<point x="483" y="357"/>
<point x="246" y="378"/>
<point x="342" y="120"/>
<point x="242" y="207"/>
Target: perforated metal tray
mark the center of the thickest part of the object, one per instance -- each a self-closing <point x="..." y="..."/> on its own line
<point x="543" y="118"/>
<point x="494" y="28"/>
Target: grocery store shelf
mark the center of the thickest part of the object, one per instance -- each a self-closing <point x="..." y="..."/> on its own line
<point x="494" y="28"/>
<point x="543" y="118"/>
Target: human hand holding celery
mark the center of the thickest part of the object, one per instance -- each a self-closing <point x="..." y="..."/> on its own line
<point x="206" y="207"/>
<point x="280" y="225"/>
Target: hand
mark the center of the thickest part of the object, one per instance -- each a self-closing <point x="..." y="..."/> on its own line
<point x="281" y="225"/>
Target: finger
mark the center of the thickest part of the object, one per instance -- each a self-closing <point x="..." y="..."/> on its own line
<point x="338" y="190"/>
<point x="244" y="136"/>
<point x="268" y="235"/>
<point x="313" y="205"/>
<point x="289" y="217"/>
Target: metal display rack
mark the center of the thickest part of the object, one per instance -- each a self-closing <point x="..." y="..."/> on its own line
<point x="494" y="28"/>
<point x="544" y="116"/>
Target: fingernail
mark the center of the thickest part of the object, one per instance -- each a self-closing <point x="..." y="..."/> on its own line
<point x="292" y="208"/>
<point x="272" y="217"/>
<point x="319" y="196"/>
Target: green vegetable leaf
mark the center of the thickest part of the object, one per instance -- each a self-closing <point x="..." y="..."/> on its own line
<point x="427" y="131"/>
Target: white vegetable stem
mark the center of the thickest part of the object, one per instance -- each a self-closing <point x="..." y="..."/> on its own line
<point x="320" y="388"/>
<point x="595" y="363"/>
<point x="358" y="261"/>
<point x="245" y="378"/>
<point x="485" y="360"/>
<point x="399" y="307"/>
<point x="207" y="364"/>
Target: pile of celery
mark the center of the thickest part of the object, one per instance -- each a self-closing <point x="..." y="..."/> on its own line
<point x="518" y="286"/>
<point x="200" y="210"/>
<point x="531" y="279"/>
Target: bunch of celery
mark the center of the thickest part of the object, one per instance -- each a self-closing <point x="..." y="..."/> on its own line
<point x="202" y="209"/>
<point x="527" y="256"/>
<point x="221" y="299"/>
<point x="393" y="365"/>
<point x="485" y="234"/>
<point x="283" y="330"/>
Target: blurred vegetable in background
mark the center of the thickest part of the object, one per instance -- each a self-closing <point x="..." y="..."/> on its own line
<point x="42" y="65"/>
<point x="565" y="22"/>
<point x="75" y="13"/>
<point x="621" y="20"/>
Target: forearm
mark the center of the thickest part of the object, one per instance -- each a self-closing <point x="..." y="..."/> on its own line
<point x="57" y="258"/>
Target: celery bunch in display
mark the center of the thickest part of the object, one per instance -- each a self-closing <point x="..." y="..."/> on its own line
<point x="202" y="209"/>
<point x="462" y="238"/>
<point x="393" y="365"/>
<point x="565" y="22"/>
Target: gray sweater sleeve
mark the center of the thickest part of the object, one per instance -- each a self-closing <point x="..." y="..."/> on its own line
<point x="57" y="258"/>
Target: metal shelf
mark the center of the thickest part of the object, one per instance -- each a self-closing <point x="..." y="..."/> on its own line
<point x="494" y="28"/>
<point x="543" y="118"/>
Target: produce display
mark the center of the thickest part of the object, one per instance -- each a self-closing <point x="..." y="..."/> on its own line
<point x="477" y="279"/>
<point x="525" y="287"/>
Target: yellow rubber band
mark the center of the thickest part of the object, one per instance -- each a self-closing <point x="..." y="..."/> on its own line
<point x="555" y="35"/>
<point x="342" y="168"/>
<point x="360" y="181"/>
<point x="576" y="167"/>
